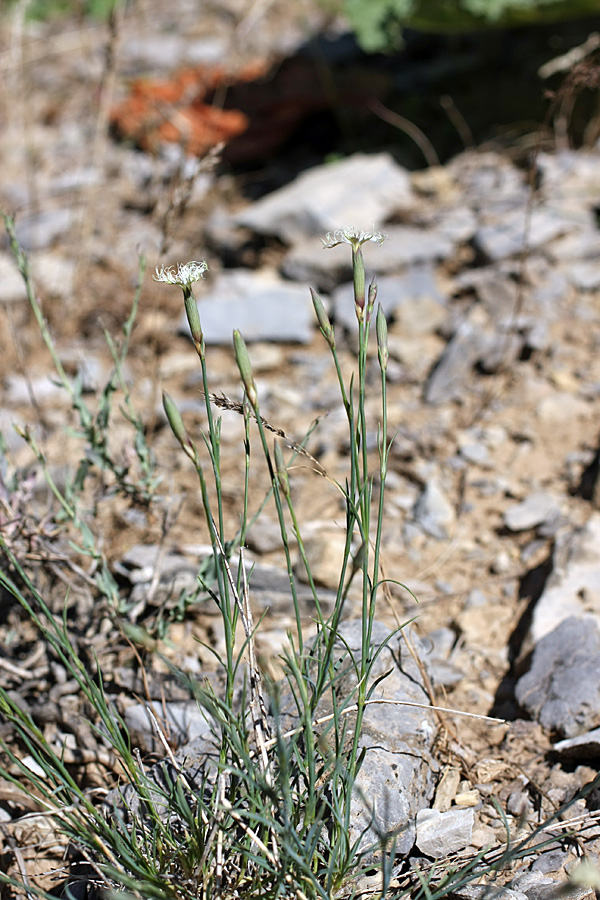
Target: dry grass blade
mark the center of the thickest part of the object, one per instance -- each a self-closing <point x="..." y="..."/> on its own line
<point x="224" y="402"/>
<point x="352" y="709"/>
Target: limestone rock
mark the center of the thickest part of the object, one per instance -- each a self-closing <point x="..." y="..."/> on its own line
<point x="319" y="201"/>
<point x="561" y="689"/>
<point x="442" y="833"/>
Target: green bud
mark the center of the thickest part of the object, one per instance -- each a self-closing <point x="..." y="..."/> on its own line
<point x="177" y="426"/>
<point x="358" y="270"/>
<point x="371" y="297"/>
<point x="382" y="338"/>
<point x="323" y="319"/>
<point x="243" y="363"/>
<point x="193" y="317"/>
<point x="282" y="475"/>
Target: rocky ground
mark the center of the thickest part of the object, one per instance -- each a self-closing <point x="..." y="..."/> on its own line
<point x="490" y="279"/>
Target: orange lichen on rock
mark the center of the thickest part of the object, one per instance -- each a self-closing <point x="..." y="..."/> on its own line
<point x="176" y="110"/>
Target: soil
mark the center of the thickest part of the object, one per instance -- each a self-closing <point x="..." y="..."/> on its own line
<point x="68" y="75"/>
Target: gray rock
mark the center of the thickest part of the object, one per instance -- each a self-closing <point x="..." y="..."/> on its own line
<point x="54" y="273"/>
<point x="585" y="275"/>
<point x="561" y="689"/>
<point x="141" y="561"/>
<point x="330" y="196"/>
<point x="434" y="512"/>
<point x="308" y="262"/>
<point x="478" y="454"/>
<point x="264" y="536"/>
<point x="407" y="246"/>
<point x="571" y="177"/>
<point x="562" y="407"/>
<point x="534" y="510"/>
<point x="270" y="589"/>
<point x="583" y="746"/>
<point x="506" y="236"/>
<point x="544" y="888"/>
<point x="487" y="177"/>
<point x="546" y="297"/>
<point x="498" y="293"/>
<point x="412" y="295"/>
<point x="76" y="179"/>
<point x="181" y="722"/>
<point x="551" y="861"/>
<point x="18" y="390"/>
<point x="90" y="371"/>
<point x="396" y="778"/>
<point x="12" y="286"/>
<point x="197" y="760"/>
<point x="9" y="422"/>
<point x="324" y="549"/>
<point x="520" y="805"/>
<point x="538" y="336"/>
<point x="169" y="51"/>
<point x="497" y="349"/>
<point x="40" y="231"/>
<point x="581" y="244"/>
<point x="441" y="833"/>
<point x="458" y="224"/>
<point x="262" y="306"/>
<point x="437" y="647"/>
<point x="161" y="580"/>
<point x="140" y="51"/>
<point x="453" y="371"/>
<point x="419" y="315"/>
<point x="501" y="297"/>
<point x="573" y="589"/>
<point x="529" y="880"/>
<point x="486" y="892"/>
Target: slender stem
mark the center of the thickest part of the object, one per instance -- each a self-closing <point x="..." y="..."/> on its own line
<point x="305" y="561"/>
<point x="383" y="461"/>
<point x="282" y="525"/>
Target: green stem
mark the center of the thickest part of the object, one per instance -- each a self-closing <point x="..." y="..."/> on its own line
<point x="282" y="526"/>
<point x="383" y="461"/>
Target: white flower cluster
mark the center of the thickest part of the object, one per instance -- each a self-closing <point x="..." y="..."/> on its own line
<point x="353" y="236"/>
<point x="181" y="274"/>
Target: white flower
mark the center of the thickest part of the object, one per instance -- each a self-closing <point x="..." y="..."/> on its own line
<point x="353" y="236"/>
<point x="184" y="274"/>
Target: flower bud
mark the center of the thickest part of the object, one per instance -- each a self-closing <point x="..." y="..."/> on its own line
<point x="193" y="317"/>
<point x="382" y="338"/>
<point x="243" y="363"/>
<point x="177" y="426"/>
<point x="282" y="475"/>
<point x="371" y="297"/>
<point x="323" y="319"/>
<point x="358" y="278"/>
